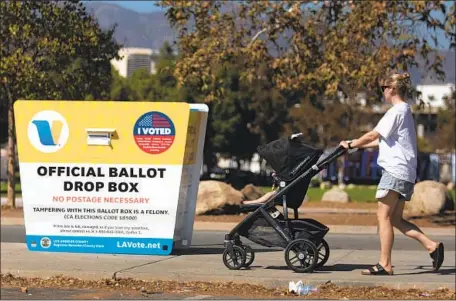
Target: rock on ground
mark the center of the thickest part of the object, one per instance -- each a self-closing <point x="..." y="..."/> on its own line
<point x="252" y="192"/>
<point x="216" y="195"/>
<point x="429" y="197"/>
<point x="325" y="185"/>
<point x="445" y="173"/>
<point x="336" y="195"/>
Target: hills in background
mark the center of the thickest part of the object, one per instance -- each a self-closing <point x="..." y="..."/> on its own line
<point x="145" y="30"/>
<point x="151" y="30"/>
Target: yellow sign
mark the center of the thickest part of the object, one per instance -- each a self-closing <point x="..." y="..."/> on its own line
<point x="109" y="177"/>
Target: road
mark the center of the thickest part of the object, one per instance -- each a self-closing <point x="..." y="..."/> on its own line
<point x="214" y="240"/>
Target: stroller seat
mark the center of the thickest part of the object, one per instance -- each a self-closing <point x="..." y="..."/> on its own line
<point x="289" y="157"/>
<point x="295" y="163"/>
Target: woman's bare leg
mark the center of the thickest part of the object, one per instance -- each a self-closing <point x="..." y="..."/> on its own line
<point x="262" y="199"/>
<point x="386" y="206"/>
<point x="411" y="230"/>
<point x="385" y="212"/>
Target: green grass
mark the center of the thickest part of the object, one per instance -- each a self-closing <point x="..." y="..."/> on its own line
<point x="358" y="195"/>
<point x="4" y="189"/>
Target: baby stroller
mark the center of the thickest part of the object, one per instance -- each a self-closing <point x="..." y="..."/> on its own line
<point x="303" y="239"/>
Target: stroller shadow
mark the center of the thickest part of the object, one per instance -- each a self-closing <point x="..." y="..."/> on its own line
<point x="211" y="250"/>
<point x="339" y="267"/>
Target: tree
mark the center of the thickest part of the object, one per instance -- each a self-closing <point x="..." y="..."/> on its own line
<point x="119" y="88"/>
<point x="165" y="83"/>
<point x="329" y="47"/>
<point x="232" y="120"/>
<point x="446" y="124"/>
<point x="140" y="85"/>
<point x="325" y="52"/>
<point x="51" y="50"/>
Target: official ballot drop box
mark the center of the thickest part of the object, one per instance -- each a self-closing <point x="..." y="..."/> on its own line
<point x="109" y="177"/>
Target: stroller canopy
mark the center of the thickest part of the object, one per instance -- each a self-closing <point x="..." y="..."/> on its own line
<point x="289" y="156"/>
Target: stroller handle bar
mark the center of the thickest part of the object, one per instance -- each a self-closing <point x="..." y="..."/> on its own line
<point x="339" y="151"/>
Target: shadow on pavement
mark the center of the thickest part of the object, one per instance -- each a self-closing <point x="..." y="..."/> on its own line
<point x="345" y="267"/>
<point x="428" y="270"/>
<point x="340" y="267"/>
<point x="207" y="250"/>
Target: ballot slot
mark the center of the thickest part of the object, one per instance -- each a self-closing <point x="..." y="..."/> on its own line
<point x="99" y="136"/>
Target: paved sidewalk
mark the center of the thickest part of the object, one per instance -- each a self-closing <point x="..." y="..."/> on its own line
<point x="412" y="268"/>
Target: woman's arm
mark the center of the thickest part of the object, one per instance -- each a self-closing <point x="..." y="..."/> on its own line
<point x="368" y="140"/>
<point x="372" y="144"/>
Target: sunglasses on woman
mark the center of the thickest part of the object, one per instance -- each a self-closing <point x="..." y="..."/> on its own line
<point x="385" y="87"/>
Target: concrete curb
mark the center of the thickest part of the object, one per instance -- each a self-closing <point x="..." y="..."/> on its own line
<point x="334" y="229"/>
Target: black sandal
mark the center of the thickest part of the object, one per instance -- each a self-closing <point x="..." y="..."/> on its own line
<point x="380" y="271"/>
<point x="437" y="257"/>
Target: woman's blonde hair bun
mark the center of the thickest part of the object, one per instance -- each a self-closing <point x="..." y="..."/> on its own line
<point x="401" y="82"/>
<point x="406" y="80"/>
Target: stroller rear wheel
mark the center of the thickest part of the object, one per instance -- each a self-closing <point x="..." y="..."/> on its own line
<point x="250" y="255"/>
<point x="323" y="254"/>
<point x="301" y="255"/>
<point x="236" y="259"/>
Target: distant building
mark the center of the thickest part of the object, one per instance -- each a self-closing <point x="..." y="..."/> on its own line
<point x="133" y="59"/>
<point x="433" y="90"/>
<point x="432" y="94"/>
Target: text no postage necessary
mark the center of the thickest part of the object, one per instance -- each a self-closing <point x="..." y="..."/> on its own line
<point x="99" y="172"/>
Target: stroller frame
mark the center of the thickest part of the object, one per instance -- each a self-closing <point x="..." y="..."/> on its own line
<point x="306" y="249"/>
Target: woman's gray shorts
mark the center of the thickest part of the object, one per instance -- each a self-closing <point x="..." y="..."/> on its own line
<point x="388" y="182"/>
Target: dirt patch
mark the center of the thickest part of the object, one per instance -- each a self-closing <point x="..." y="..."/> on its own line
<point x="335" y="205"/>
<point x="8" y="211"/>
<point x="242" y="290"/>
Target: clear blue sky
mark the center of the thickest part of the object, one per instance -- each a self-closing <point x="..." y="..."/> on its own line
<point x="139" y="6"/>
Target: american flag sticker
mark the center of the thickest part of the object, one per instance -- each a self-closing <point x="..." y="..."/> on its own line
<point x="154" y="132"/>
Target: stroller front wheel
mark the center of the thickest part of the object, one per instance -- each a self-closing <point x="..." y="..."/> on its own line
<point x="301" y="255"/>
<point x="235" y="259"/>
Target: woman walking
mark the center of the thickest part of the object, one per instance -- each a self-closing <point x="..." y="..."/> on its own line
<point x="395" y="136"/>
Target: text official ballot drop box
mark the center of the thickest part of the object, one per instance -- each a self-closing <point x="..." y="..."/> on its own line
<point x="109" y="177"/>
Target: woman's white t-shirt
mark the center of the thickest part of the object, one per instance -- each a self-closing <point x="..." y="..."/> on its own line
<point x="397" y="143"/>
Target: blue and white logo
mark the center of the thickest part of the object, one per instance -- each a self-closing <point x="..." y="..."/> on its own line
<point x="48" y="131"/>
